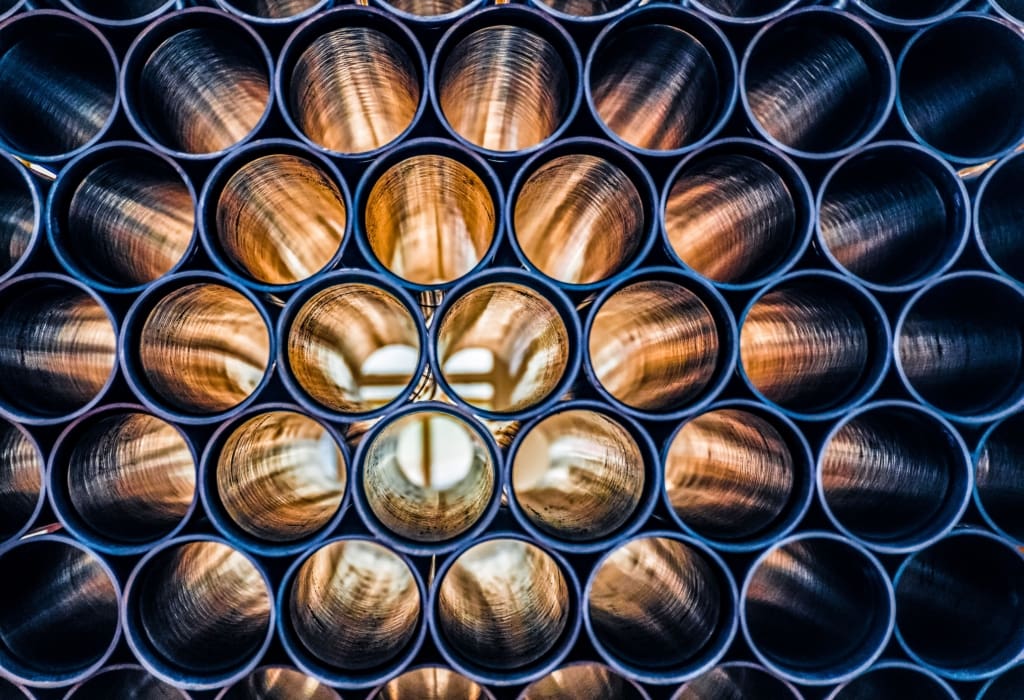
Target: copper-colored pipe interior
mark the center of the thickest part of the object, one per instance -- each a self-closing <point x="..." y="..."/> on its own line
<point x="279" y="683"/>
<point x="21" y="479"/>
<point x="582" y="680"/>
<point x="432" y="683"/>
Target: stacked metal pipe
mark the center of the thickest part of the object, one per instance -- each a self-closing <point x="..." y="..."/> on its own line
<point x="424" y="349"/>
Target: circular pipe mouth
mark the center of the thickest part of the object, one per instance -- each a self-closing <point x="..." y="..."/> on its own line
<point x="429" y="11"/>
<point x="125" y="681"/>
<point x="121" y="479"/>
<point x="61" y="349"/>
<point x="427" y="478"/>
<point x="960" y="346"/>
<point x="997" y="216"/>
<point x="661" y="608"/>
<point x="431" y="683"/>
<point x="119" y="13"/>
<point x="506" y="80"/>
<point x="278" y="683"/>
<point x="1007" y="686"/>
<point x="893" y="14"/>
<point x="351" y="81"/>
<point x="197" y="83"/>
<point x="581" y="212"/>
<point x="274" y="479"/>
<point x="894" y="680"/>
<point x="21" y="480"/>
<point x="584" y="679"/>
<point x="21" y="216"/>
<point x="352" y="345"/>
<point x="429" y="213"/>
<point x="817" y="608"/>
<point x="352" y="613"/>
<point x="817" y="83"/>
<point x="739" y="476"/>
<point x="582" y="475"/>
<point x="275" y="214"/>
<point x="505" y="611"/>
<point x="737" y="212"/>
<point x="893" y="215"/>
<point x="660" y="343"/>
<point x="58" y="82"/>
<point x="745" y="12"/>
<point x="122" y="216"/>
<point x="273" y="12"/>
<point x="894" y="476"/>
<point x="661" y="80"/>
<point x="959" y="609"/>
<point x="64" y="591"/>
<point x="814" y="344"/>
<point x="198" y="613"/>
<point x="586" y="11"/>
<point x="971" y="53"/>
<point x="738" y="679"/>
<point x="997" y="491"/>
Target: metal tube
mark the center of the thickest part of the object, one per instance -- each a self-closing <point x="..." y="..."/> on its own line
<point x="660" y="608"/>
<point x="660" y="344"/>
<point x="745" y="12"/>
<point x="814" y="344"/>
<point x="119" y="14"/>
<point x="998" y="461"/>
<point x="1006" y="686"/>
<point x="124" y="681"/>
<point x="121" y="480"/>
<point x="904" y="16"/>
<point x="933" y="80"/>
<point x="960" y="605"/>
<point x="893" y="215"/>
<point x="56" y="589"/>
<point x="351" y="613"/>
<point x="197" y="83"/>
<point x="738" y="476"/>
<point x="121" y="215"/>
<point x="738" y="212"/>
<point x="21" y="480"/>
<point x="661" y="80"/>
<point x="817" y="608"/>
<point x="584" y="679"/>
<point x="894" y="680"/>
<point x="429" y="11"/>
<point x="21" y="216"/>
<point x="198" y="614"/>
<point x="997" y="215"/>
<point x="60" y="353"/>
<point x="278" y="683"/>
<point x="960" y="346"/>
<point x="58" y="82"/>
<point x="274" y="12"/>
<point x="431" y="683"/>
<point x="817" y="83"/>
<point x="737" y="680"/>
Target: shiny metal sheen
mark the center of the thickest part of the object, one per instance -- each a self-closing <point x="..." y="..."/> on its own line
<point x="737" y="680"/>
<point x="999" y="477"/>
<point x="21" y="216"/>
<point x="278" y="683"/>
<point x="431" y="683"/>
<point x="584" y="679"/>
<point x="124" y="681"/>
<point x="998" y="217"/>
<point x="21" y="479"/>
<point x="894" y="680"/>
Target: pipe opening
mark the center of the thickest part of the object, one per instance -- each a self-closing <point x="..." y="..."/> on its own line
<point x="355" y="605"/>
<point x="204" y="348"/>
<point x="961" y="345"/>
<point x="579" y="219"/>
<point x="21" y="479"/>
<point x="273" y="9"/>
<point x="202" y="607"/>
<point x="429" y="476"/>
<point x="735" y="681"/>
<point x="124" y="682"/>
<point x="732" y="475"/>
<point x="58" y="85"/>
<point x="999" y="478"/>
<point x="583" y="680"/>
<point x="278" y="683"/>
<point x="1000" y="211"/>
<point x="281" y="476"/>
<point x="18" y="216"/>
<point x="354" y="89"/>
<point x="953" y="82"/>
<point x="745" y="9"/>
<point x="431" y="683"/>
<point x="505" y="88"/>
<point x="658" y="604"/>
<point x="429" y="8"/>
<point x="119" y="10"/>
<point x="280" y="219"/>
<point x="919" y="10"/>
<point x="818" y="82"/>
<point x="586" y="8"/>
<point x="55" y="590"/>
<point x="579" y="475"/>
<point x="61" y="347"/>
<point x="353" y="347"/>
<point x="893" y="683"/>
<point x="654" y="345"/>
<point x="1008" y="686"/>
<point x="430" y="219"/>
<point x="960" y="604"/>
<point x="504" y="604"/>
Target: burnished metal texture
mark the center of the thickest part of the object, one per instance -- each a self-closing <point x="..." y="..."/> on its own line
<point x="893" y="215"/>
<point x="960" y="346"/>
<point x="584" y="679"/>
<point x="55" y="588"/>
<point x="659" y="344"/>
<point x="22" y="469"/>
<point x="431" y="683"/>
<point x="738" y="212"/>
<point x="196" y="83"/>
<point x="198" y="613"/>
<point x="21" y="216"/>
<point x="126" y="681"/>
<point x="817" y="83"/>
<point x="427" y="478"/>
<point x="121" y="216"/>
<point x="737" y="680"/>
<point x="506" y="344"/>
<point x="817" y="608"/>
<point x="894" y="680"/>
<point x="738" y="476"/>
<point x="998" y="478"/>
<point x="998" y="217"/>
<point x="1009" y="685"/>
<point x="960" y="605"/>
<point x="120" y="14"/>
<point x="660" y="608"/>
<point x="429" y="12"/>
<point x="745" y="12"/>
<point x="661" y="80"/>
<point x="504" y="610"/>
<point x="935" y="80"/>
<point x="274" y="12"/>
<point x="352" y="613"/>
<point x="274" y="214"/>
<point x="275" y="481"/>
<point x="58" y="85"/>
<point x="278" y="683"/>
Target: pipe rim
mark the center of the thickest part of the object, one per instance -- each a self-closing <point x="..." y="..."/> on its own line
<point x="38" y="221"/>
<point x="997" y="5"/>
<point x="978" y="501"/>
<point x="112" y="669"/>
<point x="726" y="18"/>
<point x="105" y="22"/>
<point x="225" y="692"/>
<point x="983" y="691"/>
<point x="17" y="7"/>
<point x="900" y="665"/>
<point x="978" y="203"/>
<point x="586" y="20"/>
<point x="430" y="21"/>
<point x="41" y="497"/>
<point x="377" y="693"/>
<point x="640" y="693"/>
<point x="273" y="22"/>
<point x="749" y="666"/>
<point x="888" y="21"/>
